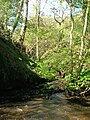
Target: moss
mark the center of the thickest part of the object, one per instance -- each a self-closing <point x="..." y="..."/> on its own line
<point x="15" y="68"/>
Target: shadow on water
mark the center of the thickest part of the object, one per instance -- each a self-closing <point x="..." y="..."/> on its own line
<point x="54" y="108"/>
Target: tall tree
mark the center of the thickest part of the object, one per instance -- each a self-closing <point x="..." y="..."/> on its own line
<point x="17" y="16"/>
<point x="71" y="4"/>
<point x="60" y="18"/>
<point x="38" y="5"/>
<point x="25" y="16"/>
<point x="82" y="51"/>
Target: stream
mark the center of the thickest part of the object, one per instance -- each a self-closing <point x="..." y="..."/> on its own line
<point x="54" y="108"/>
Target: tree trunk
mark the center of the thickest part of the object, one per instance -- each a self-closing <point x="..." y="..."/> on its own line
<point x="38" y="3"/>
<point x="23" y="28"/>
<point x="88" y="26"/>
<point x="17" y="16"/>
<point x="71" y="39"/>
<point x="84" y="33"/>
<point x="5" y="22"/>
<point x="82" y="50"/>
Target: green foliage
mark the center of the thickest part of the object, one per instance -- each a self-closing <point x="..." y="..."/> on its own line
<point x="45" y="71"/>
<point x="85" y="77"/>
<point x="8" y="13"/>
<point x="54" y="61"/>
<point x="15" y="67"/>
<point x="5" y="34"/>
<point x="82" y="85"/>
<point x="54" y="48"/>
<point x="76" y="3"/>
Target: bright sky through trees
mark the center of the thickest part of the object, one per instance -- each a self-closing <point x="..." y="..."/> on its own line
<point x="47" y="7"/>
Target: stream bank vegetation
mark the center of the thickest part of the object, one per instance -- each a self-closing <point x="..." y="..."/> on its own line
<point x="33" y="49"/>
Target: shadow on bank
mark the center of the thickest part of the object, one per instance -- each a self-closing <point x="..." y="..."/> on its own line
<point x="16" y="76"/>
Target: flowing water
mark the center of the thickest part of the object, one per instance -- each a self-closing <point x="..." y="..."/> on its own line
<point x="54" y="108"/>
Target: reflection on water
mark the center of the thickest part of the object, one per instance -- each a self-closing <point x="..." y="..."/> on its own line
<point x="56" y="108"/>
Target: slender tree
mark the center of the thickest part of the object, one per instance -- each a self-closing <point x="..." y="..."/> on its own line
<point x="25" y="16"/>
<point x="60" y="20"/>
<point x="71" y="4"/>
<point x="17" y="16"/>
<point x="82" y="50"/>
<point x="38" y="4"/>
